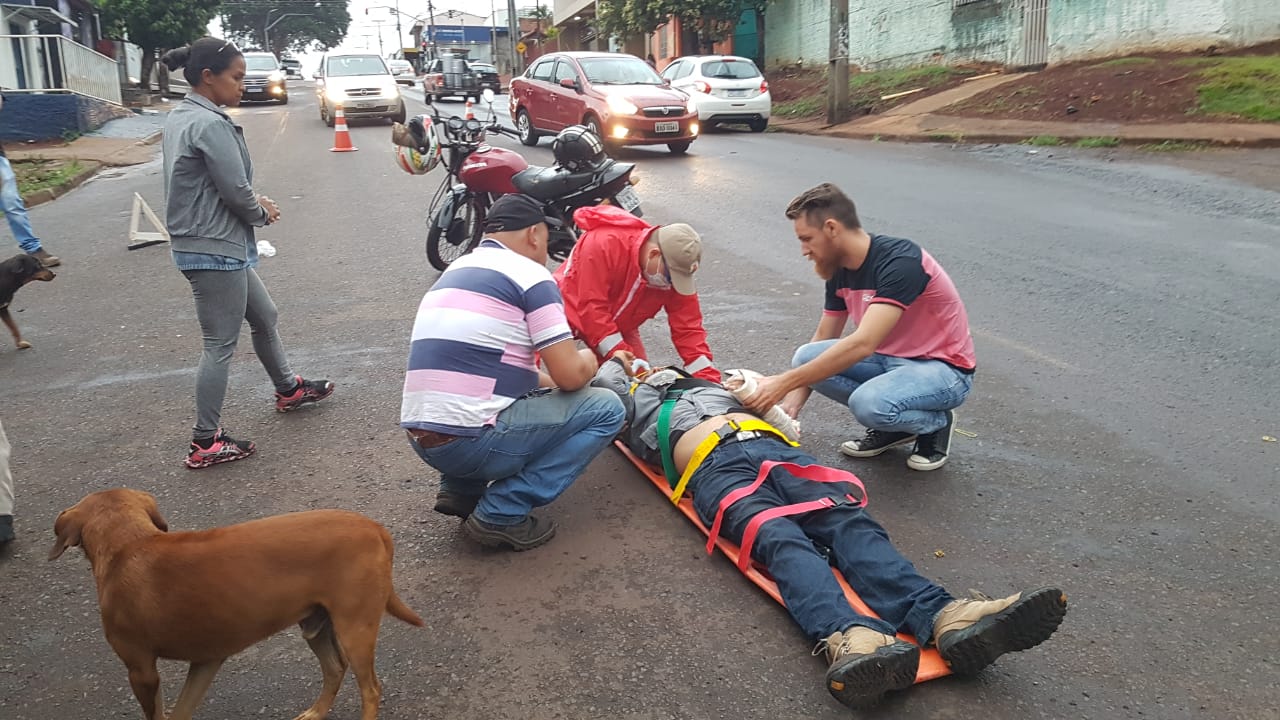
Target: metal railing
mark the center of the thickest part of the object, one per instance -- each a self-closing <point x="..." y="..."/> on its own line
<point x="54" y="63"/>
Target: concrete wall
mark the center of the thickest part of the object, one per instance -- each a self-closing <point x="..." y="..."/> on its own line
<point x="898" y="33"/>
<point x="796" y="31"/>
<point x="48" y="116"/>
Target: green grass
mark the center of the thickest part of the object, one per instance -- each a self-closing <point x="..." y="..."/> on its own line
<point x="1097" y="142"/>
<point x="1246" y="87"/>
<point x="1173" y="146"/>
<point x="866" y="88"/>
<point x="36" y="175"/>
<point x="1125" y="61"/>
<point x="804" y="107"/>
<point x="1043" y="141"/>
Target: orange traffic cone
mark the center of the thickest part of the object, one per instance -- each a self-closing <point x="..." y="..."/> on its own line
<point x="341" y="136"/>
<point x="470" y="115"/>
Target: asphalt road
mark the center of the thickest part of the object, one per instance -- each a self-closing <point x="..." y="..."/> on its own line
<point x="1124" y="315"/>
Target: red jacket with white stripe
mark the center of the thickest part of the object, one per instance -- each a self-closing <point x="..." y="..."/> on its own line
<point x="606" y="298"/>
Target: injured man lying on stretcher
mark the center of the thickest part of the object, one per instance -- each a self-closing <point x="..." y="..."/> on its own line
<point x="866" y="660"/>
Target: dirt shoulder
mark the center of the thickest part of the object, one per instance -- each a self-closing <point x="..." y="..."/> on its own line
<point x="1239" y="87"/>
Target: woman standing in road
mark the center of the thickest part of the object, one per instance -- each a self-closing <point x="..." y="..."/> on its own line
<point x="212" y="211"/>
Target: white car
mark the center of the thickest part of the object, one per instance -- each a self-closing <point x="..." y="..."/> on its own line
<point x="362" y="84"/>
<point x="403" y="72"/>
<point x="724" y="89"/>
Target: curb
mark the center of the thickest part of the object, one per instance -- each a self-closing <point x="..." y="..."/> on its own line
<point x="979" y="138"/>
<point x="40" y="197"/>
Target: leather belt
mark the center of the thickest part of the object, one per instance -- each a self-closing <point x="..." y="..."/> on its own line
<point x="428" y="439"/>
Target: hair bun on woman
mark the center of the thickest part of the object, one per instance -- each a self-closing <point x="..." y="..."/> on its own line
<point x="176" y="57"/>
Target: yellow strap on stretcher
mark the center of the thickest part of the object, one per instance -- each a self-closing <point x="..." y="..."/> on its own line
<point x="710" y="442"/>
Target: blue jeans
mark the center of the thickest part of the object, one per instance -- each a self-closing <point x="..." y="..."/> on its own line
<point x="533" y="453"/>
<point x="892" y="393"/>
<point x="860" y="548"/>
<point x="14" y="210"/>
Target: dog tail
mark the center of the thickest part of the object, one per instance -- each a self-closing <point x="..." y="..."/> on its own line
<point x="400" y="611"/>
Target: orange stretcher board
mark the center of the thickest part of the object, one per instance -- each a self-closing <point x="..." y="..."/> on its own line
<point x="931" y="664"/>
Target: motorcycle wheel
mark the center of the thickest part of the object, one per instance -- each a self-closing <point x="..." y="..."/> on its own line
<point x="460" y="237"/>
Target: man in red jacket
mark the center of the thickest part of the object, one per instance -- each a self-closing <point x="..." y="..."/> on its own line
<point x="621" y="273"/>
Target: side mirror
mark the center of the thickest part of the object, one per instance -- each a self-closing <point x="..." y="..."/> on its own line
<point x="488" y="95"/>
<point x="569" y="83"/>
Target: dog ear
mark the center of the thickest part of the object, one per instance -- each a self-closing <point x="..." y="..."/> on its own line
<point x="67" y="530"/>
<point x="153" y="511"/>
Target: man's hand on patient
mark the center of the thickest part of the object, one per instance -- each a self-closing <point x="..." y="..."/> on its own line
<point x="769" y="392"/>
<point x="627" y="358"/>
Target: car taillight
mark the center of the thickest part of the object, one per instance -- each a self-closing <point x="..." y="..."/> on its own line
<point x="702" y="87"/>
<point x="764" y="86"/>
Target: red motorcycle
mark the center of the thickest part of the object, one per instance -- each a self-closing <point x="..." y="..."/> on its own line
<point x="478" y="173"/>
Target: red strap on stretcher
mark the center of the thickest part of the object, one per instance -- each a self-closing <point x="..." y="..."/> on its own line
<point x="816" y="473"/>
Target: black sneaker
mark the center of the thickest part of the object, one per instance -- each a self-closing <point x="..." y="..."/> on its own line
<point x="456" y="504"/>
<point x="874" y="443"/>
<point x="306" y="391"/>
<point x="525" y="535"/>
<point x="932" y="450"/>
<point x="222" y="448"/>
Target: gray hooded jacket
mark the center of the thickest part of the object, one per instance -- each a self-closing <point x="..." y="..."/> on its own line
<point x="210" y="205"/>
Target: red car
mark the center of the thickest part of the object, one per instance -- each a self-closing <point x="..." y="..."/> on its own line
<point x="617" y="96"/>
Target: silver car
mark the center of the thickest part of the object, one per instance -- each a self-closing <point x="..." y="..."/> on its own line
<point x="362" y="84"/>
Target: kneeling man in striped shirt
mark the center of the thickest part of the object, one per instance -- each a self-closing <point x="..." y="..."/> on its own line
<point x="505" y="436"/>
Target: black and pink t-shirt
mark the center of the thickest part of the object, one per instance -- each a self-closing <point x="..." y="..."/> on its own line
<point x="934" y="324"/>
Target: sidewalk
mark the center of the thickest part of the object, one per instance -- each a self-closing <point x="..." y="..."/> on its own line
<point x="926" y="120"/>
<point x="127" y="141"/>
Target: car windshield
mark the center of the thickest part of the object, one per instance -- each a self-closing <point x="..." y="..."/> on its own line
<point x="729" y="69"/>
<point x="622" y="70"/>
<point x="356" y="65"/>
<point x="259" y="62"/>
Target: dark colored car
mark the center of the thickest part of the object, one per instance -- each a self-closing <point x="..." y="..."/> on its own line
<point x="618" y="96"/>
<point x="292" y="68"/>
<point x="489" y="79"/>
<point x="263" y="78"/>
<point x="449" y="76"/>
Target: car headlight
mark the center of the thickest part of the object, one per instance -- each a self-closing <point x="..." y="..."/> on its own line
<point x="392" y="89"/>
<point x="335" y="95"/>
<point x="690" y="105"/>
<point x="276" y="76"/>
<point x="621" y="105"/>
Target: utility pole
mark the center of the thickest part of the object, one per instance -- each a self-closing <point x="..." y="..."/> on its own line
<point x="431" y="30"/>
<point x="378" y="25"/>
<point x="513" y="30"/>
<point x="838" y="65"/>
<point x="399" y="33"/>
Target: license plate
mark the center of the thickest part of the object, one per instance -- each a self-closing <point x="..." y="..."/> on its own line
<point x="627" y="199"/>
<point x="737" y="93"/>
<point x="666" y="127"/>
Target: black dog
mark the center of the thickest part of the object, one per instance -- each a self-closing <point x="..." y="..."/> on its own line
<point x="14" y="273"/>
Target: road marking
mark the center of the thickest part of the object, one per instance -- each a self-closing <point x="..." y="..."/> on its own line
<point x="1025" y="350"/>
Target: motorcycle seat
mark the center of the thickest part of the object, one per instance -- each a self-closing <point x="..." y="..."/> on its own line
<point x="550" y="183"/>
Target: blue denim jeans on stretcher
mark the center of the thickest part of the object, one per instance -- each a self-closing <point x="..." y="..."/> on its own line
<point x="533" y="453"/>
<point x="862" y="551"/>
<point x="892" y="393"/>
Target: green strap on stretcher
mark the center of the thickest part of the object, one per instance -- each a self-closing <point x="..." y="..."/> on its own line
<point x="664" y="437"/>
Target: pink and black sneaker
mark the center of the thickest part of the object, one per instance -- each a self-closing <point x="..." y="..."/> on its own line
<point x="306" y="391"/>
<point x="221" y="448"/>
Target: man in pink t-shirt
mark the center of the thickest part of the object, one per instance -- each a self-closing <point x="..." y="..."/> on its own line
<point x="909" y="361"/>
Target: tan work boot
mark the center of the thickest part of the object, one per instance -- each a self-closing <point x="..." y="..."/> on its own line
<point x="866" y="664"/>
<point x="46" y="259"/>
<point x="971" y="634"/>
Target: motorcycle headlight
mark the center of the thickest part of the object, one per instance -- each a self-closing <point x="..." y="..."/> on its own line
<point x="621" y="105"/>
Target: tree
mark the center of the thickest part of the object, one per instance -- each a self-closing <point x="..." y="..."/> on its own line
<point x="712" y="20"/>
<point x="156" y="25"/>
<point x="314" y="24"/>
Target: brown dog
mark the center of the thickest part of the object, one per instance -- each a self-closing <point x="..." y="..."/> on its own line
<point x="14" y="273"/>
<point x="205" y="596"/>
